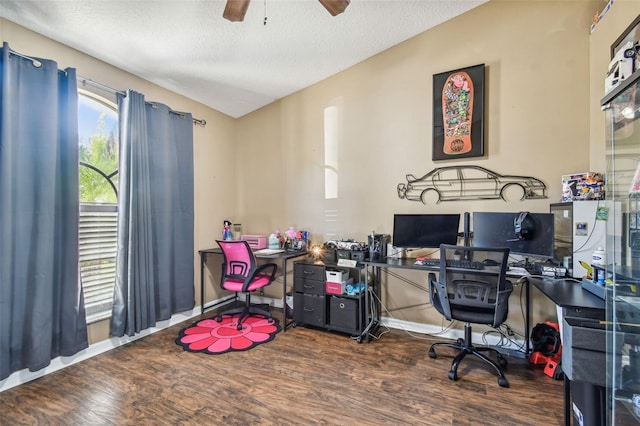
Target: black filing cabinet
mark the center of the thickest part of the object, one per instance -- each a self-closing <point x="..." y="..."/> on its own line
<point x="313" y="306"/>
<point x="583" y="356"/>
<point x="309" y="294"/>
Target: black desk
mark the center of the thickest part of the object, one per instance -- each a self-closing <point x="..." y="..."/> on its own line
<point x="282" y="257"/>
<point x="569" y="295"/>
<point x="574" y="301"/>
<point x="404" y="263"/>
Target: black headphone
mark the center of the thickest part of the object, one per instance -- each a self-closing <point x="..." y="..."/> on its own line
<point x="545" y="339"/>
<point x="523" y="226"/>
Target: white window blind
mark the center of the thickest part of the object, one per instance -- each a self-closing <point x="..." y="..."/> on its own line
<point x="97" y="249"/>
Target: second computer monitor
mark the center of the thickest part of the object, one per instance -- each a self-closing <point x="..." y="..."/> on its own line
<point x="524" y="233"/>
<point x="425" y="230"/>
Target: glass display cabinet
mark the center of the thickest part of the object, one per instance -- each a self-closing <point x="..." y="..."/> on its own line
<point x="622" y="109"/>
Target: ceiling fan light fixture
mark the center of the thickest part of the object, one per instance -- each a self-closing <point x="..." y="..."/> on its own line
<point x="335" y="7"/>
<point x="235" y="10"/>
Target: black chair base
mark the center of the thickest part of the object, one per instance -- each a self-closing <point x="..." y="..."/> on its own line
<point x="466" y="347"/>
<point x="247" y="310"/>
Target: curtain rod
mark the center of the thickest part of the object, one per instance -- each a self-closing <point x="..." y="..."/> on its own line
<point x="36" y="62"/>
<point x="86" y="81"/>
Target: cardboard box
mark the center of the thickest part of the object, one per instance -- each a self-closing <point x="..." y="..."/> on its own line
<point x="583" y="186"/>
<point x="256" y="242"/>
<point x="336" y="276"/>
<point x="337" y="288"/>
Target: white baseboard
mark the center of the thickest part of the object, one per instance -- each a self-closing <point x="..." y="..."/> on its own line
<point x="452" y="333"/>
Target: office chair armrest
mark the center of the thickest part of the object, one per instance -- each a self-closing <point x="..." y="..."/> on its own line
<point x="439" y="291"/>
<point x="505" y="290"/>
<point x="431" y="282"/>
<point x="508" y="286"/>
<point x="502" y="304"/>
<point x="258" y="270"/>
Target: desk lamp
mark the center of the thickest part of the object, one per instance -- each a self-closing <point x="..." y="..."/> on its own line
<point x="316" y="252"/>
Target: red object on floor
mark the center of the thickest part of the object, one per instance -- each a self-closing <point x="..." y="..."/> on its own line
<point x="548" y="348"/>
<point x="538" y="359"/>
<point x="551" y="367"/>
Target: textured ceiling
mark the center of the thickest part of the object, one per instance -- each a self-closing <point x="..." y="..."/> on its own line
<point x="234" y="67"/>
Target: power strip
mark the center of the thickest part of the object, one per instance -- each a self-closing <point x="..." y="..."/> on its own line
<point x="554" y="271"/>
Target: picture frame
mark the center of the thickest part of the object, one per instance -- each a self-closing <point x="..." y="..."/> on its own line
<point x="458" y="113"/>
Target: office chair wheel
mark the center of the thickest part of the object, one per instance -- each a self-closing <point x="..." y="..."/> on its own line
<point x="501" y="361"/>
<point x="219" y="318"/>
<point x="239" y="326"/>
<point x="453" y="375"/>
<point x="432" y="354"/>
<point x="503" y="382"/>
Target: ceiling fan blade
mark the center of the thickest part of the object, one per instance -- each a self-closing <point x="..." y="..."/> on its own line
<point x="235" y="10"/>
<point x="335" y="7"/>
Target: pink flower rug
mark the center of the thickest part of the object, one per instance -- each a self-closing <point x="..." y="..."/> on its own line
<point x="212" y="337"/>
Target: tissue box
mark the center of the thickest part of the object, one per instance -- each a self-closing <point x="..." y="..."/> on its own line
<point x="583" y="186"/>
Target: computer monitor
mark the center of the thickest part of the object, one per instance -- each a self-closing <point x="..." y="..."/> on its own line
<point x="425" y="230"/>
<point x="524" y="233"/>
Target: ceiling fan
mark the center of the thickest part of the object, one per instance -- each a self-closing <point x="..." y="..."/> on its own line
<point x="235" y="10"/>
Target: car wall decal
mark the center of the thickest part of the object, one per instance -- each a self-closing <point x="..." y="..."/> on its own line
<point x="457" y="183"/>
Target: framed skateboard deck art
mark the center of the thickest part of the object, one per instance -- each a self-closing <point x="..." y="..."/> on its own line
<point x="458" y="113"/>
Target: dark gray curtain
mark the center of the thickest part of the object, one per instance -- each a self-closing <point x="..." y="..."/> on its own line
<point x="41" y="302"/>
<point x="154" y="266"/>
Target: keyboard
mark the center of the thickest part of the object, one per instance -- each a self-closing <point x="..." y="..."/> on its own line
<point x="465" y="264"/>
<point x="513" y="270"/>
<point x="428" y="262"/>
<point x="268" y="252"/>
<point x="453" y="263"/>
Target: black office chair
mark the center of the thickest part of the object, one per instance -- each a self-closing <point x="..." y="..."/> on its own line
<point x="479" y="296"/>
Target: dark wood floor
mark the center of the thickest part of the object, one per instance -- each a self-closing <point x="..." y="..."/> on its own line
<point x="304" y="376"/>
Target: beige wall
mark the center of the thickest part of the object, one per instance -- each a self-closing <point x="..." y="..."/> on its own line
<point x="537" y="113"/>
<point x="213" y="145"/>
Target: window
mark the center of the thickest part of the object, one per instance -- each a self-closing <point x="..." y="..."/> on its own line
<point x="475" y="174"/>
<point x="98" y="138"/>
<point x="331" y="138"/>
<point x="448" y="175"/>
